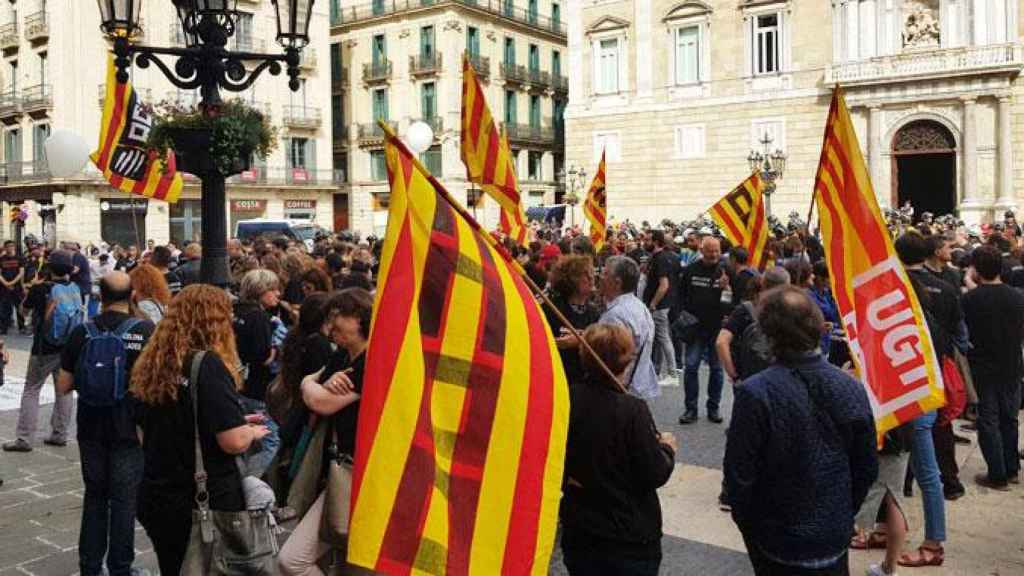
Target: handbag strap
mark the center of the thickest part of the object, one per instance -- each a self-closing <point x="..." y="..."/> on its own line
<point x="202" y="495"/>
<point x="636" y="363"/>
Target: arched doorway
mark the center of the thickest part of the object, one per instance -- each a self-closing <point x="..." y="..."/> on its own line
<point x="924" y="168"/>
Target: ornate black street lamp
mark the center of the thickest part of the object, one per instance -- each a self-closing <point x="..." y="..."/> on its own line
<point x="769" y="166"/>
<point x="206" y="64"/>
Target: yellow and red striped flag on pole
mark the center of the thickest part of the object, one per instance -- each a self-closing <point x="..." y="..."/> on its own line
<point x="741" y="215"/>
<point x="122" y="155"/>
<point x="595" y="208"/>
<point x="889" y="338"/>
<point x="487" y="156"/>
<point x="464" y="412"/>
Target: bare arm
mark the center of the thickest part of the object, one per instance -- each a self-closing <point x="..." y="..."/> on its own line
<point x="322" y="401"/>
<point x="238" y="439"/>
<point x="722" y="345"/>
<point x="65" y="382"/>
<point x="660" y="293"/>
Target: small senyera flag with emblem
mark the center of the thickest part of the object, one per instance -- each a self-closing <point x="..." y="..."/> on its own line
<point x="595" y="208"/>
<point x="122" y="156"/>
<point x="464" y="411"/>
<point x="741" y="215"/>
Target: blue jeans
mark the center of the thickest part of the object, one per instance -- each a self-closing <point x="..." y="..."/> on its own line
<point x="258" y="459"/>
<point x="111" y="473"/>
<point x="998" y="403"/>
<point x="926" y="471"/>
<point x="703" y="349"/>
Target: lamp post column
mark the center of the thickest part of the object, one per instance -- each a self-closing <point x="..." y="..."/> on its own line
<point x="214" y="265"/>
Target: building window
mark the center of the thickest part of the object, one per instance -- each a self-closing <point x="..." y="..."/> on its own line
<point x="429" y="101"/>
<point x="337" y="116"/>
<point x="378" y="7"/>
<point x="510" y="51"/>
<point x="556" y="64"/>
<point x="340" y="165"/>
<point x="689" y="141"/>
<point x="427" y="42"/>
<point x="556" y="16"/>
<point x="510" y="106"/>
<point x="531" y="11"/>
<point x="243" y="37"/>
<point x="186" y="218"/>
<point x="43" y="72"/>
<point x="509" y="8"/>
<point x="773" y="129"/>
<point x="380" y="104"/>
<point x="14" y="76"/>
<point x="40" y="132"/>
<point x="533" y="165"/>
<point x="766" y="44"/>
<point x="12" y="147"/>
<point x="688" y="55"/>
<point x="534" y="58"/>
<point x="297" y="152"/>
<point x="608" y="66"/>
<point x="336" y="67"/>
<point x="535" y="198"/>
<point x="380" y="50"/>
<point x="431" y="160"/>
<point x="534" y="111"/>
<point x="473" y="41"/>
<point x="378" y="166"/>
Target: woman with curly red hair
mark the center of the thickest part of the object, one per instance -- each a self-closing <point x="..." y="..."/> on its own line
<point x="150" y="293"/>
<point x="197" y="320"/>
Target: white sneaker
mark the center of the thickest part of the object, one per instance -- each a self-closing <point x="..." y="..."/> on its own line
<point x="876" y="570"/>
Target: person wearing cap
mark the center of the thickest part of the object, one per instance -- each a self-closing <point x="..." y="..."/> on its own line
<point x="43" y="362"/>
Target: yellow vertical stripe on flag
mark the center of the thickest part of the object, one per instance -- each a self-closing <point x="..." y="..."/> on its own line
<point x="386" y="461"/>
<point x="497" y="490"/>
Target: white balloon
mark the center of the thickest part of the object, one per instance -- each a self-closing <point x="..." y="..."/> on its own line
<point x="66" y="153"/>
<point x="419" y="137"/>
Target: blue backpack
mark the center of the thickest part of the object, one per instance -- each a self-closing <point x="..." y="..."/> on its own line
<point x="66" y="314"/>
<point x="101" y="375"/>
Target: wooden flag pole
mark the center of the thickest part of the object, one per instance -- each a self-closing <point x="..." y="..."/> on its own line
<point x="504" y="253"/>
<point x="810" y="211"/>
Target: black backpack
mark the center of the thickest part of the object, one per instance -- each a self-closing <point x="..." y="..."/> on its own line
<point x="752" y="353"/>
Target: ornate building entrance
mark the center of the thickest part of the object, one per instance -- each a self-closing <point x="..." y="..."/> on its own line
<point x="924" y="168"/>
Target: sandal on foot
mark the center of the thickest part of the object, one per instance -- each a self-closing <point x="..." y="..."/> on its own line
<point x="868" y="541"/>
<point x="925" y="557"/>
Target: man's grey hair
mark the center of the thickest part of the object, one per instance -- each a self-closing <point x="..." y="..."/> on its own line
<point x="776" y="276"/>
<point x="626" y="270"/>
<point x="256" y="282"/>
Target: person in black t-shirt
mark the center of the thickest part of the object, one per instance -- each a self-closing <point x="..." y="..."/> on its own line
<point x="12" y="272"/>
<point x="659" y="296"/>
<point x="198" y="319"/>
<point x="572" y="286"/>
<point x="995" y="321"/>
<point x="107" y="441"/>
<point x="333" y="393"/>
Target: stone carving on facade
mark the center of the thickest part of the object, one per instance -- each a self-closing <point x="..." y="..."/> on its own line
<point x="491" y="35"/>
<point x="896" y="120"/>
<point x="921" y="24"/>
<point x="404" y="33"/>
<point x="453" y="25"/>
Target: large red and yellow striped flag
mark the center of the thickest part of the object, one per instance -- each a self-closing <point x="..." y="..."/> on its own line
<point x="464" y="415"/>
<point x="595" y="208"/>
<point x="122" y="155"/>
<point x="488" y="158"/>
<point x="889" y="337"/>
<point x="741" y="215"/>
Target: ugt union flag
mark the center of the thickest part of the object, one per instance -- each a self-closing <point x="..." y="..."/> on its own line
<point x="465" y="408"/>
<point x="889" y="338"/>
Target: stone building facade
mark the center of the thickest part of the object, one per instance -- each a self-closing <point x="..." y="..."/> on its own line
<point x="680" y="91"/>
<point x="401" y="61"/>
<point x="53" y="74"/>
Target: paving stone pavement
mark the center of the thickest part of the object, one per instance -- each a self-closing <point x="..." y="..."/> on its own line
<point x="41" y="500"/>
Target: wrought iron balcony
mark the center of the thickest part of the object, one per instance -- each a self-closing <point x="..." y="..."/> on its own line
<point x="9" y="39"/>
<point x="425" y="64"/>
<point x="38" y="98"/>
<point x="343" y="16"/>
<point x="538" y="79"/>
<point x="513" y="73"/>
<point x="530" y="134"/>
<point x="26" y="171"/>
<point x="339" y="176"/>
<point x="339" y="133"/>
<point x="560" y="83"/>
<point x="10" y="104"/>
<point x="929" y="64"/>
<point x="301" y="116"/>
<point x="377" y="72"/>
<point x="372" y="133"/>
<point x="287" y="175"/>
<point x="37" y="26"/>
<point x="481" y="65"/>
<point x="339" y="79"/>
<point x="436" y="124"/>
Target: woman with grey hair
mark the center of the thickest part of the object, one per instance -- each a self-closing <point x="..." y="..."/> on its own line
<point x="259" y="291"/>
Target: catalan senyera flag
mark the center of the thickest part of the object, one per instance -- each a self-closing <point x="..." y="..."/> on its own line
<point x="464" y="412"/>
<point x="595" y="208"/>
<point x="889" y="339"/>
<point x="488" y="158"/>
<point x="122" y="155"/>
<point x="741" y="215"/>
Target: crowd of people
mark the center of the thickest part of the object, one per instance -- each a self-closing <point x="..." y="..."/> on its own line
<point x="187" y="390"/>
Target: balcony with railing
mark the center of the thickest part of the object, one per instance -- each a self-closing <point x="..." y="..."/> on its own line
<point x="339" y="79"/>
<point x="301" y="116"/>
<point x="372" y="133"/>
<point x="538" y="79"/>
<point x="500" y="8"/>
<point x="37" y="99"/>
<point x="560" y="83"/>
<point x="377" y="72"/>
<point x="10" y="105"/>
<point x="481" y="65"/>
<point x="530" y="134"/>
<point x="9" y="39"/>
<point x="37" y="27"/>
<point x="26" y="171"/>
<point x="307" y="58"/>
<point x="425" y="64"/>
<point x="436" y="124"/>
<point x="286" y="175"/>
<point x="339" y="134"/>
<point x="929" y="64"/>
<point x="339" y="176"/>
<point x="513" y="73"/>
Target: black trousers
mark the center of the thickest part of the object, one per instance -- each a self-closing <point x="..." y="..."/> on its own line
<point x="764" y="566"/>
<point x="168" y="523"/>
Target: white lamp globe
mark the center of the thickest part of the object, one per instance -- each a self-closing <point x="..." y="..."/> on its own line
<point x="419" y="137"/>
<point x="66" y="153"/>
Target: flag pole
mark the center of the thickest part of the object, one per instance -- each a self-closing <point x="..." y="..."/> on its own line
<point x="504" y="254"/>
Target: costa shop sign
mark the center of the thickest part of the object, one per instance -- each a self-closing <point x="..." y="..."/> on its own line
<point x="300" y="204"/>
<point x="248" y="205"/>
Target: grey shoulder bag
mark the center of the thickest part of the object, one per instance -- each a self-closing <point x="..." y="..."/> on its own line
<point x="224" y="543"/>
